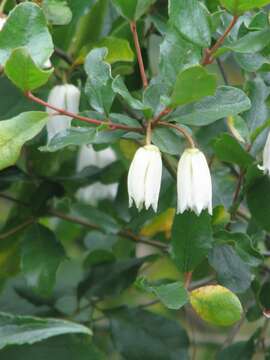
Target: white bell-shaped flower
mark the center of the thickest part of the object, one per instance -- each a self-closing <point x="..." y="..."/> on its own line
<point x="93" y="193"/>
<point x="65" y="97"/>
<point x="266" y="157"/>
<point x="144" y="177"/>
<point x="2" y="22"/>
<point x="194" y="185"/>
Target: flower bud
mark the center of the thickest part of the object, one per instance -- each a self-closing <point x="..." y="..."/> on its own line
<point x="144" y="177"/>
<point x="266" y="157"/>
<point x="194" y="185"/>
<point x="65" y="97"/>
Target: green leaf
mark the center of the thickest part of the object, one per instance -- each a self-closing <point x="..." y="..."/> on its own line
<point x="229" y="150"/>
<point x="228" y="101"/>
<point x="241" y="350"/>
<point x="133" y="9"/>
<point x="253" y="42"/>
<point x="57" y="11"/>
<point x="41" y="257"/>
<point x="23" y="72"/>
<point x="15" y="132"/>
<point x="252" y="62"/>
<point x="167" y="140"/>
<point x="193" y="84"/>
<point x="238" y="7"/>
<point x="120" y="88"/>
<point x="139" y="334"/>
<point x="26" y="27"/>
<point x="118" y="49"/>
<point x="258" y="199"/>
<point x="98" y="87"/>
<point x="70" y="137"/>
<point x="17" y="330"/>
<point x="172" y="295"/>
<point x="216" y="305"/>
<point x="190" y="19"/>
<point x="66" y="347"/>
<point x="232" y="271"/>
<point x="110" y="279"/>
<point x="175" y="54"/>
<point x="191" y="239"/>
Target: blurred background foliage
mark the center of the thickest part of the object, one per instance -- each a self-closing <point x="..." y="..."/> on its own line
<point x="72" y="250"/>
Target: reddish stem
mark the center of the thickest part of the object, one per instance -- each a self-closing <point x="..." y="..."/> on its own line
<point x="181" y="130"/>
<point x="111" y="125"/>
<point x="188" y="278"/>
<point x="161" y="115"/>
<point x="133" y="27"/>
<point x="208" y="58"/>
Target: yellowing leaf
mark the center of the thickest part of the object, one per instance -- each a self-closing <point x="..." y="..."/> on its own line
<point x="216" y="305"/>
<point x="160" y="223"/>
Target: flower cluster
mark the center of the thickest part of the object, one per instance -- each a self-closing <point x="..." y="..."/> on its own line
<point x="194" y="185"/>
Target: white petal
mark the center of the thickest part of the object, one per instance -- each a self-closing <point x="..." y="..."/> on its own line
<point x="153" y="179"/>
<point x="266" y="156"/>
<point x="2" y="22"/>
<point x="136" y="177"/>
<point x="184" y="183"/>
<point x="72" y="98"/>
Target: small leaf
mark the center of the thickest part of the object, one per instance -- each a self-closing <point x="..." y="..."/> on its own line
<point x="238" y="7"/>
<point x="23" y="72"/>
<point x="140" y="334"/>
<point x="26" y="27"/>
<point x="41" y="257"/>
<point x="172" y="295"/>
<point x="232" y="271"/>
<point x="193" y="84"/>
<point x="216" y="305"/>
<point x="17" y="330"/>
<point x="190" y="19"/>
<point x="229" y="150"/>
<point x="99" y="82"/>
<point x="57" y="11"/>
<point x="132" y="9"/>
<point x="228" y="101"/>
<point x="191" y="239"/>
<point x="15" y="132"/>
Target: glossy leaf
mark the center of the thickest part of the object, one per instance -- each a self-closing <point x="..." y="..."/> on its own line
<point x="240" y="6"/>
<point x="24" y="73"/>
<point x="193" y="84"/>
<point x="17" y="330"/>
<point x="15" y="132"/>
<point x="57" y="11"/>
<point x="190" y="19"/>
<point x="26" y="27"/>
<point x="228" y="101"/>
<point x="133" y="9"/>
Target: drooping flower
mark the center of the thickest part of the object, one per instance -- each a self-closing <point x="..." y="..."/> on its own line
<point x="144" y="177"/>
<point x="266" y="157"/>
<point x="194" y="185"/>
<point x="65" y="97"/>
<point x="93" y="193"/>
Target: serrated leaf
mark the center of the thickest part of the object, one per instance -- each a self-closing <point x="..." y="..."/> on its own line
<point x="17" y="330"/>
<point x="17" y="131"/>
<point x="23" y="72"/>
<point x="216" y="305"/>
<point x="26" y="27"/>
<point x="191" y="239"/>
<point x="191" y="85"/>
